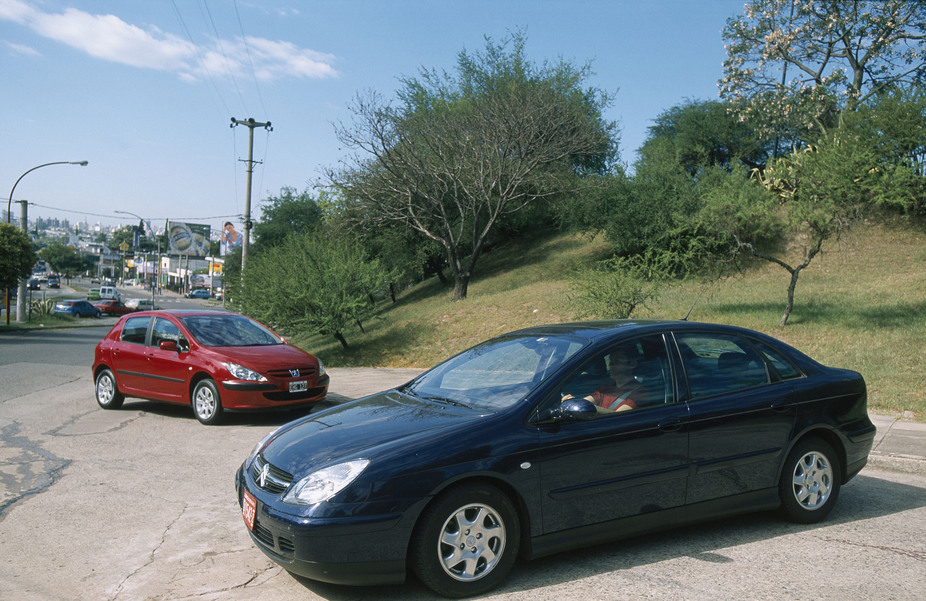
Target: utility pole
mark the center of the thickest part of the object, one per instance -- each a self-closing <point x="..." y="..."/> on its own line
<point x="21" y="296"/>
<point x="250" y="124"/>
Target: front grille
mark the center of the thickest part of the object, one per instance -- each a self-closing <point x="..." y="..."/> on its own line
<point x="275" y="481"/>
<point x="305" y="371"/>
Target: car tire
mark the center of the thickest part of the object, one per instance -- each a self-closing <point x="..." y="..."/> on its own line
<point x="207" y="405"/>
<point x="466" y="541"/>
<point x="810" y="482"/>
<point x="107" y="391"/>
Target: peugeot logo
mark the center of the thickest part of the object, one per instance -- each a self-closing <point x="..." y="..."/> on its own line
<point x="264" y="472"/>
<point x="294" y="373"/>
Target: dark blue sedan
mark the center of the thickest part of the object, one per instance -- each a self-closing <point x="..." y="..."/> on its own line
<point x="550" y="439"/>
<point x="76" y="308"/>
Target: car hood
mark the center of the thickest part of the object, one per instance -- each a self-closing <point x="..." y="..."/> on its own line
<point x="357" y="429"/>
<point x="263" y="358"/>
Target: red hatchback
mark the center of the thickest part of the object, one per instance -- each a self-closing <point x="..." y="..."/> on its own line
<point x="208" y="359"/>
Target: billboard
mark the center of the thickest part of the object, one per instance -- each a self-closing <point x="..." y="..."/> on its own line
<point x="191" y="239"/>
<point x="230" y="238"/>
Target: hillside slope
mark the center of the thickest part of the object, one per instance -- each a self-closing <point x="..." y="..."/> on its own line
<point x="860" y="305"/>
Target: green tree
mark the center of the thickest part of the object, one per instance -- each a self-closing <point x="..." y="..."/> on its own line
<point x="286" y="214"/>
<point x="310" y="282"/>
<point x="63" y="259"/>
<point x="618" y="286"/>
<point x="894" y="125"/>
<point x="463" y="151"/>
<point x="690" y="149"/>
<point x="125" y="234"/>
<point x="704" y="134"/>
<point x="16" y="256"/>
<point x="794" y="65"/>
<point x="807" y="198"/>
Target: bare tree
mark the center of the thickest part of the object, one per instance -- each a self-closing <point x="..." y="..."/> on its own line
<point x="460" y="152"/>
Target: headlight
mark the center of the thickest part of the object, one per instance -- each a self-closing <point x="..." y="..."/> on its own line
<point x="325" y="483"/>
<point x="321" y="368"/>
<point x="243" y="373"/>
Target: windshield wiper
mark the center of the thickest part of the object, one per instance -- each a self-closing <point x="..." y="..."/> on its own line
<point x="441" y="399"/>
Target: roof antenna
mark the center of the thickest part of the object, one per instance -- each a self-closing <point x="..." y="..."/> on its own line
<point x="693" y="305"/>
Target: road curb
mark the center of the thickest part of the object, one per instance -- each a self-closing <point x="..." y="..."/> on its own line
<point x="897" y="463"/>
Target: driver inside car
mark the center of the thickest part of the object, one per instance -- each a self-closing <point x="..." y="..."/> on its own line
<point x="618" y="391"/>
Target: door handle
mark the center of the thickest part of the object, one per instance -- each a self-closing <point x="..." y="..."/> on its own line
<point x="670" y="425"/>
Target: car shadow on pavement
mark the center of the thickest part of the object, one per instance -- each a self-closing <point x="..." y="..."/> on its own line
<point x="865" y="497"/>
<point x="271" y="417"/>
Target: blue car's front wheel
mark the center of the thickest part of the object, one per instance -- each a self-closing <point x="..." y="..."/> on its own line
<point x="467" y="541"/>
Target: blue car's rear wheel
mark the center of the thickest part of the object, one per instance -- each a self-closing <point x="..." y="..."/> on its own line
<point x="810" y="481"/>
<point x="467" y="541"/>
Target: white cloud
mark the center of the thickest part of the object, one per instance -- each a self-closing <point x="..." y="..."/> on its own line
<point x="273" y="60"/>
<point x="109" y="38"/>
<point x="23" y="50"/>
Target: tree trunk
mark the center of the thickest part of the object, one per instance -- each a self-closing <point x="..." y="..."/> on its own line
<point x="340" y="338"/>
<point x="460" y="286"/>
<point x="790" y="305"/>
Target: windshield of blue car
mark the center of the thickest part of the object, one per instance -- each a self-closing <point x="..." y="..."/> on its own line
<point x="496" y="374"/>
<point x="228" y="330"/>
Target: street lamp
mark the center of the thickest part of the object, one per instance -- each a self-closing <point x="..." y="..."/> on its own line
<point x="20" y="313"/>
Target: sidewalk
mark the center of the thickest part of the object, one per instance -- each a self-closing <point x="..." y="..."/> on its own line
<point x="900" y="445"/>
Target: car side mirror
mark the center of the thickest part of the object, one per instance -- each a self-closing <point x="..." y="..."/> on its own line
<point x="169" y="345"/>
<point x="577" y="410"/>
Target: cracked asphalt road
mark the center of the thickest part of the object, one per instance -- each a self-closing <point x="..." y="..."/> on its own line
<point x="139" y="504"/>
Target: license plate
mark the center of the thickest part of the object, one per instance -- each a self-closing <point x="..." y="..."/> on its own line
<point x="300" y="386"/>
<point x="249" y="510"/>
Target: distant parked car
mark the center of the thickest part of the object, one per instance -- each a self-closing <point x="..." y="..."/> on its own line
<point x="33" y="284"/>
<point x="112" y="307"/>
<point x="141" y="304"/>
<point x="76" y="308"/>
<point x="93" y="294"/>
<point x="198" y="293"/>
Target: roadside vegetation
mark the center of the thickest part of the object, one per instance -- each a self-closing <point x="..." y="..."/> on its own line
<point x="493" y="195"/>
<point x="863" y="308"/>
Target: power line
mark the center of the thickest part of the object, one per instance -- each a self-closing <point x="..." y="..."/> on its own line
<point x="199" y="59"/>
<point x="109" y="216"/>
<point x="247" y="49"/>
<point x="218" y="41"/>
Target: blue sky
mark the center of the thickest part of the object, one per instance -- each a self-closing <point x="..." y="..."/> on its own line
<point x="146" y="90"/>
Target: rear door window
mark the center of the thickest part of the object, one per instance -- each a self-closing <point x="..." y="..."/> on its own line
<point x="135" y="330"/>
<point x="719" y="364"/>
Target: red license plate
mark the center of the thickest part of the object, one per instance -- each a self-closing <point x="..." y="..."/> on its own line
<point x="249" y="510"/>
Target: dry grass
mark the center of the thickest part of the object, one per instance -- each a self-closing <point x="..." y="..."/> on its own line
<point x="860" y="305"/>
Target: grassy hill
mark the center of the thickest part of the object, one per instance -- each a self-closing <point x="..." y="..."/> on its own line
<point x="860" y="305"/>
